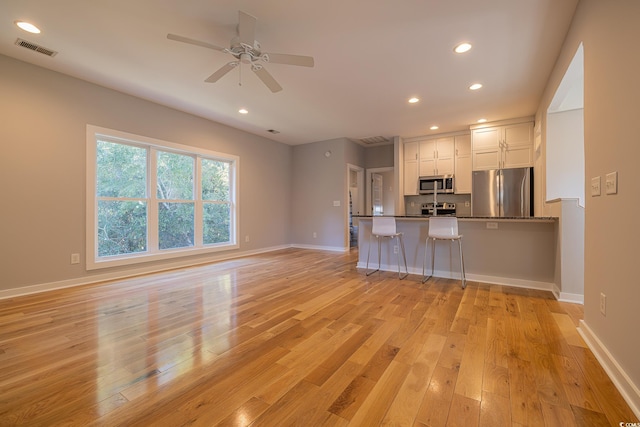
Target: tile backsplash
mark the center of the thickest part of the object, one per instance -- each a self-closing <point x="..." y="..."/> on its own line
<point x="462" y="201"/>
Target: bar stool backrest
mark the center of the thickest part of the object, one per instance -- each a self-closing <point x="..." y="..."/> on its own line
<point x="445" y="227"/>
<point x="384" y="226"/>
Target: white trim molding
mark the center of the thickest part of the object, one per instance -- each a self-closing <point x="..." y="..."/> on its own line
<point x="629" y="391"/>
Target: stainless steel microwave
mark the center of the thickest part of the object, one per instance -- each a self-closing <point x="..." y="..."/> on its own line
<point x="443" y="184"/>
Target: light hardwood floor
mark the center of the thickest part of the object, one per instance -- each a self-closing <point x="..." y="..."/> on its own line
<point x="298" y="337"/>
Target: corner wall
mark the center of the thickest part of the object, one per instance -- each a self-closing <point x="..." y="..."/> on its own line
<point x="612" y="234"/>
<point x="42" y="170"/>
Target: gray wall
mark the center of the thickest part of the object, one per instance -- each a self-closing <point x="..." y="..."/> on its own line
<point x="379" y="156"/>
<point x="42" y="169"/>
<point x="611" y="109"/>
<point x="318" y="181"/>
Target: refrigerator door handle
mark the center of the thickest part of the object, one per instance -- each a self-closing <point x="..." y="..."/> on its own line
<point x="500" y="179"/>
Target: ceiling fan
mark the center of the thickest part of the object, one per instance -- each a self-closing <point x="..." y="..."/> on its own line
<point x="246" y="50"/>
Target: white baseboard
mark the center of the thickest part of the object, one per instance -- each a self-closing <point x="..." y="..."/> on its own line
<point x="494" y="280"/>
<point x="321" y="248"/>
<point x="573" y="298"/>
<point x="121" y="274"/>
<point x="629" y="391"/>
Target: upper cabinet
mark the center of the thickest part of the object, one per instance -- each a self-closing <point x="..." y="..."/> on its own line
<point x="411" y="168"/>
<point x="437" y="156"/>
<point x="462" y="179"/>
<point x="501" y="147"/>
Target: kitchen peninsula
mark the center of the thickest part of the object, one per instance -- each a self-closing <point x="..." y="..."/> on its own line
<point x="507" y="251"/>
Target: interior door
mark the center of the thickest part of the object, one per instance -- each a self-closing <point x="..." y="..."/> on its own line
<point x="376" y="194"/>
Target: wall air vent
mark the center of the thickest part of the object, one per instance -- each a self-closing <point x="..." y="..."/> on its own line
<point x="35" y="47"/>
<point x="374" y="140"/>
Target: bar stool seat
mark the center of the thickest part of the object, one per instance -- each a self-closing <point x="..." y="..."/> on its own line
<point x="385" y="227"/>
<point x="442" y="228"/>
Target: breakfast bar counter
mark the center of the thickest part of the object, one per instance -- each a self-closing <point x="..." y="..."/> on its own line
<point x="507" y="251"/>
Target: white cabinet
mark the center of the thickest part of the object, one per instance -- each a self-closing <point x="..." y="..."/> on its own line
<point x="436" y="157"/>
<point x="506" y="146"/>
<point x="411" y="169"/>
<point x="462" y="177"/>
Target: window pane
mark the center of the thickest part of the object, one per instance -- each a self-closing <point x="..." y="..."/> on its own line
<point x="216" y="226"/>
<point x="122" y="227"/>
<point x="175" y="228"/>
<point x="175" y="176"/>
<point x="121" y="170"/>
<point x="215" y="180"/>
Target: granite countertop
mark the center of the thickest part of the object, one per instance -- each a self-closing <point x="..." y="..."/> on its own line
<point x="492" y="218"/>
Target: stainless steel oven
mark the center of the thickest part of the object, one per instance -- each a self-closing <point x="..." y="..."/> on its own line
<point x="443" y="183"/>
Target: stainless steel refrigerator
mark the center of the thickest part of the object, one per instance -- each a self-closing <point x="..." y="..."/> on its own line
<point x="502" y="193"/>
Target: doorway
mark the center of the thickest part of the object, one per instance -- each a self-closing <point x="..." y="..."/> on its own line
<point x="565" y="177"/>
<point x="380" y="191"/>
<point x="355" y="202"/>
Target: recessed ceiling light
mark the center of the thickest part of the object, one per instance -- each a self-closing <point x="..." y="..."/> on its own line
<point x="475" y="86"/>
<point x="243" y="111"/>
<point x="462" y="48"/>
<point x="28" y="27"/>
<point x="482" y="120"/>
<point x="434" y="127"/>
<point x="413" y="100"/>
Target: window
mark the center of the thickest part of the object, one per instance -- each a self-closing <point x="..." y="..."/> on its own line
<point x="150" y="199"/>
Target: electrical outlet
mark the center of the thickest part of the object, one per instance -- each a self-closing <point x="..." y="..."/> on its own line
<point x="75" y="258"/>
<point x="315" y="234"/>
<point x="395" y="249"/>
<point x="603" y="304"/>
<point x="246" y="239"/>
<point x="492" y="225"/>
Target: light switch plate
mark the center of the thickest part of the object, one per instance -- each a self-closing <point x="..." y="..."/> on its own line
<point x="611" y="183"/>
<point x="595" y="186"/>
<point x="336" y="203"/>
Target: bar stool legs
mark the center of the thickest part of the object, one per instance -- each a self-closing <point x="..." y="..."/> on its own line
<point x="386" y="227"/>
<point x="445" y="228"/>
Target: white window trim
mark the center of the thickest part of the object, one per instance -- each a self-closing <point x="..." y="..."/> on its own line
<point x="92" y="260"/>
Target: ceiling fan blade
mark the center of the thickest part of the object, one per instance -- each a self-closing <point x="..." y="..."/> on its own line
<point x="283" y="58"/>
<point x="246" y="28"/>
<point x="266" y="78"/>
<point x="222" y="71"/>
<point x="194" y="42"/>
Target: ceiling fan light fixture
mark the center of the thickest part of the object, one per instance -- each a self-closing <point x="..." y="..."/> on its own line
<point x="462" y="47"/>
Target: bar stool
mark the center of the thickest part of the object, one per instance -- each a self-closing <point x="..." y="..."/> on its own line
<point x="386" y="227"/>
<point x="442" y="228"/>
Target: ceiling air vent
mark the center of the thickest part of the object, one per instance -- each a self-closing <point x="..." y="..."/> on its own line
<point x="35" y="47"/>
<point x="374" y="140"/>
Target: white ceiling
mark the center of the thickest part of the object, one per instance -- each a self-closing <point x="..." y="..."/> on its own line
<point x="370" y="57"/>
